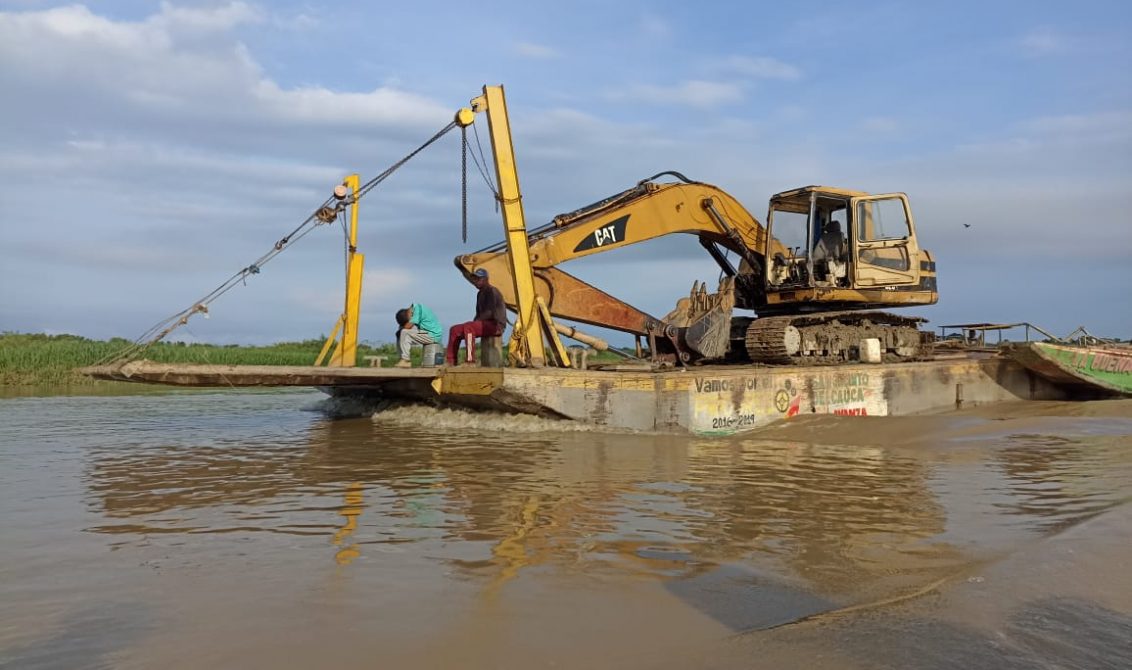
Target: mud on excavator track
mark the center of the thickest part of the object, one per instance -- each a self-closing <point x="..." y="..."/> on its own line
<point x="831" y="337"/>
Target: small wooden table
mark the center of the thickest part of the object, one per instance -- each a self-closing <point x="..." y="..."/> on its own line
<point x="375" y="361"/>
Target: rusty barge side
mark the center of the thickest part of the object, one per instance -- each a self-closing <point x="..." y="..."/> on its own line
<point x="727" y="400"/>
<point x="705" y="401"/>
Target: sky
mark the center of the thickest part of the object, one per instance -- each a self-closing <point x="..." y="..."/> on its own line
<point x="148" y="151"/>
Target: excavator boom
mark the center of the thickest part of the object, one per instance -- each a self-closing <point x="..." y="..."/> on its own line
<point x="644" y="212"/>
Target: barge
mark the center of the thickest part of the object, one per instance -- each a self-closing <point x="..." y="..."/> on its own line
<point x="701" y="400"/>
<point x="1098" y="369"/>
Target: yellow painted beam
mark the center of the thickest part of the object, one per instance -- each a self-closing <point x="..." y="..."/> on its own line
<point x="346" y="354"/>
<point x="528" y="321"/>
<point x="330" y="341"/>
<point x="552" y="334"/>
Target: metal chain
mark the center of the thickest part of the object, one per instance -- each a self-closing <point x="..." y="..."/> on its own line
<point x="464" y="181"/>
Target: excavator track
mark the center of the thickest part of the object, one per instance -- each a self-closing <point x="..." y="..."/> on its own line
<point x="767" y="340"/>
<point x="831" y="337"/>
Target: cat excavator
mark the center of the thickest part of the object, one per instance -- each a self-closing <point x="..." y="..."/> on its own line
<point x="813" y="276"/>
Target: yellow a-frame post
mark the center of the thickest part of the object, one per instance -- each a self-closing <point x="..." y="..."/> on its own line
<point x="526" y="340"/>
<point x="346" y="355"/>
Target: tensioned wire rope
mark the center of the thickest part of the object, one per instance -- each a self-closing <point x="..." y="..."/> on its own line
<point x="327" y="212"/>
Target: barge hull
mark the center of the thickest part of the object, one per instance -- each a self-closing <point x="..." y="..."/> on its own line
<point x="708" y="400"/>
<point x="1100" y="370"/>
<point x="729" y="400"/>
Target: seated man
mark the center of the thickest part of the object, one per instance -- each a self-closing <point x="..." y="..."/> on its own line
<point x="491" y="319"/>
<point x="417" y="324"/>
<point x="831" y="249"/>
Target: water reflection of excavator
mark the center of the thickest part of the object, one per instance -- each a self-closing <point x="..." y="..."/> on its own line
<point x="808" y="282"/>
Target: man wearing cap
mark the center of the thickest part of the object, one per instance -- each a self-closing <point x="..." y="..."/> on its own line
<point x="491" y="319"/>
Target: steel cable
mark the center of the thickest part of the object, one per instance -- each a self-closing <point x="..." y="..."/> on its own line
<point x="162" y="328"/>
<point x="368" y="186"/>
<point x="483" y="168"/>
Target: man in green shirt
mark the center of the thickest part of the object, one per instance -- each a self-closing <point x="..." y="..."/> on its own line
<point x="417" y="325"/>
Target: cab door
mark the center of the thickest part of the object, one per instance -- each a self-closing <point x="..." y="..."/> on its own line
<point x="885" y="252"/>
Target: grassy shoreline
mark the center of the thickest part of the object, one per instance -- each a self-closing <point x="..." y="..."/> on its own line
<point x="52" y="360"/>
<point x="31" y="359"/>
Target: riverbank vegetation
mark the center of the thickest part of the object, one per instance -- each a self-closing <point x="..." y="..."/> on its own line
<point x="52" y="360"/>
<point x="28" y="359"/>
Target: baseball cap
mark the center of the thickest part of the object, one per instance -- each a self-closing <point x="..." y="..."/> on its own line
<point x="481" y="273"/>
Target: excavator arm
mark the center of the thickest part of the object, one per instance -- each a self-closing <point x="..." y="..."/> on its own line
<point x="647" y="211"/>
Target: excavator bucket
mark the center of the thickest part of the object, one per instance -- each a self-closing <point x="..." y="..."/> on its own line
<point x="710" y="335"/>
<point x="704" y="319"/>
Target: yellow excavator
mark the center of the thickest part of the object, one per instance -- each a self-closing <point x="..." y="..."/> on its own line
<point x="812" y="275"/>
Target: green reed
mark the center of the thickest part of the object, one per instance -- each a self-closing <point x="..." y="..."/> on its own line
<point x="30" y="359"/>
<point x="35" y="359"/>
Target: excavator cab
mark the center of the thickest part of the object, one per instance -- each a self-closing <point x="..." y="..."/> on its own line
<point x="844" y="249"/>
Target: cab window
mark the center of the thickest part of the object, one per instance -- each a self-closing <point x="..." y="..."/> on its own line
<point x="789" y="230"/>
<point x="882" y="220"/>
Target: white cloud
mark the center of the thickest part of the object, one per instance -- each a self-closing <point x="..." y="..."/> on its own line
<point x="169" y="159"/>
<point x="761" y="68"/>
<point x="692" y="93"/>
<point x="1099" y="138"/>
<point x="319" y="105"/>
<point x="537" y="51"/>
<point x="654" y="26"/>
<point x="563" y="140"/>
<point x="386" y="282"/>
<point x="70" y="25"/>
<point x="325" y="301"/>
<point x="1096" y="126"/>
<point x="120" y="161"/>
<point x="1019" y="192"/>
<point x="161" y="66"/>
<point x="298" y="22"/>
<point x="793" y="113"/>
<point x="87" y="145"/>
<point x="216" y="19"/>
<point x="577" y="132"/>
<point x="881" y="125"/>
<point x="1041" y="41"/>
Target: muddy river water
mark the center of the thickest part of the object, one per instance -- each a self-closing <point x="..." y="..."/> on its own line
<point x="243" y="529"/>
